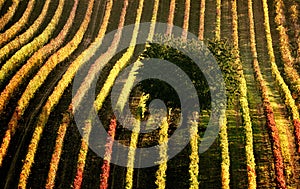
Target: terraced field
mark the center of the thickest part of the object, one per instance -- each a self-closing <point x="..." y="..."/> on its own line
<point x="45" y="44"/>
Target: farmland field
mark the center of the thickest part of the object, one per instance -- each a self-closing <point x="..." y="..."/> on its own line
<point x="51" y="53"/>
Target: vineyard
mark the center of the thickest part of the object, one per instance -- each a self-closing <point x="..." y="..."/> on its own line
<point x="45" y="45"/>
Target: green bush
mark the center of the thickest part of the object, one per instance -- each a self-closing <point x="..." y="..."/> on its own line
<point x="220" y="49"/>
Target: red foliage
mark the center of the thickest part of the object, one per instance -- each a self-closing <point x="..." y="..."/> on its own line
<point x="108" y="151"/>
<point x="273" y="132"/>
<point x="105" y="175"/>
<point x="78" y="179"/>
<point x="296" y="123"/>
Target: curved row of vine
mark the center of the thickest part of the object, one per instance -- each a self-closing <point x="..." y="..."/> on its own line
<point x="35" y="61"/>
<point x="19" y="25"/>
<point x="23" y="38"/>
<point x="15" y="62"/>
<point x="32" y="87"/>
<point x="9" y="14"/>
<point x="53" y="99"/>
<point x="1" y="3"/>
<point x="63" y="83"/>
<point x="22" y="106"/>
<point x="118" y="66"/>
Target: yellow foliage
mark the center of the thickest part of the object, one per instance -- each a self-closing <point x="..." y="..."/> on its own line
<point x="285" y="49"/>
<point x="27" y="35"/>
<point x="133" y="142"/>
<point x="194" y="157"/>
<point x="201" y="20"/>
<point x="9" y="14"/>
<point x="17" y="59"/>
<point x="13" y="30"/>
<point x="218" y="20"/>
<point x="244" y="101"/>
<point x="53" y="99"/>
<point x="225" y="164"/>
<point x="4" y="146"/>
<point x="57" y="152"/>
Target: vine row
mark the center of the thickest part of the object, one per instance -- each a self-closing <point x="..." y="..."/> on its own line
<point x="244" y="103"/>
<point x="18" y="26"/>
<point x="9" y="14"/>
<point x="35" y="83"/>
<point x="26" y="51"/>
<point x="268" y="110"/>
<point x="22" y="39"/>
<point x="35" y="61"/>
